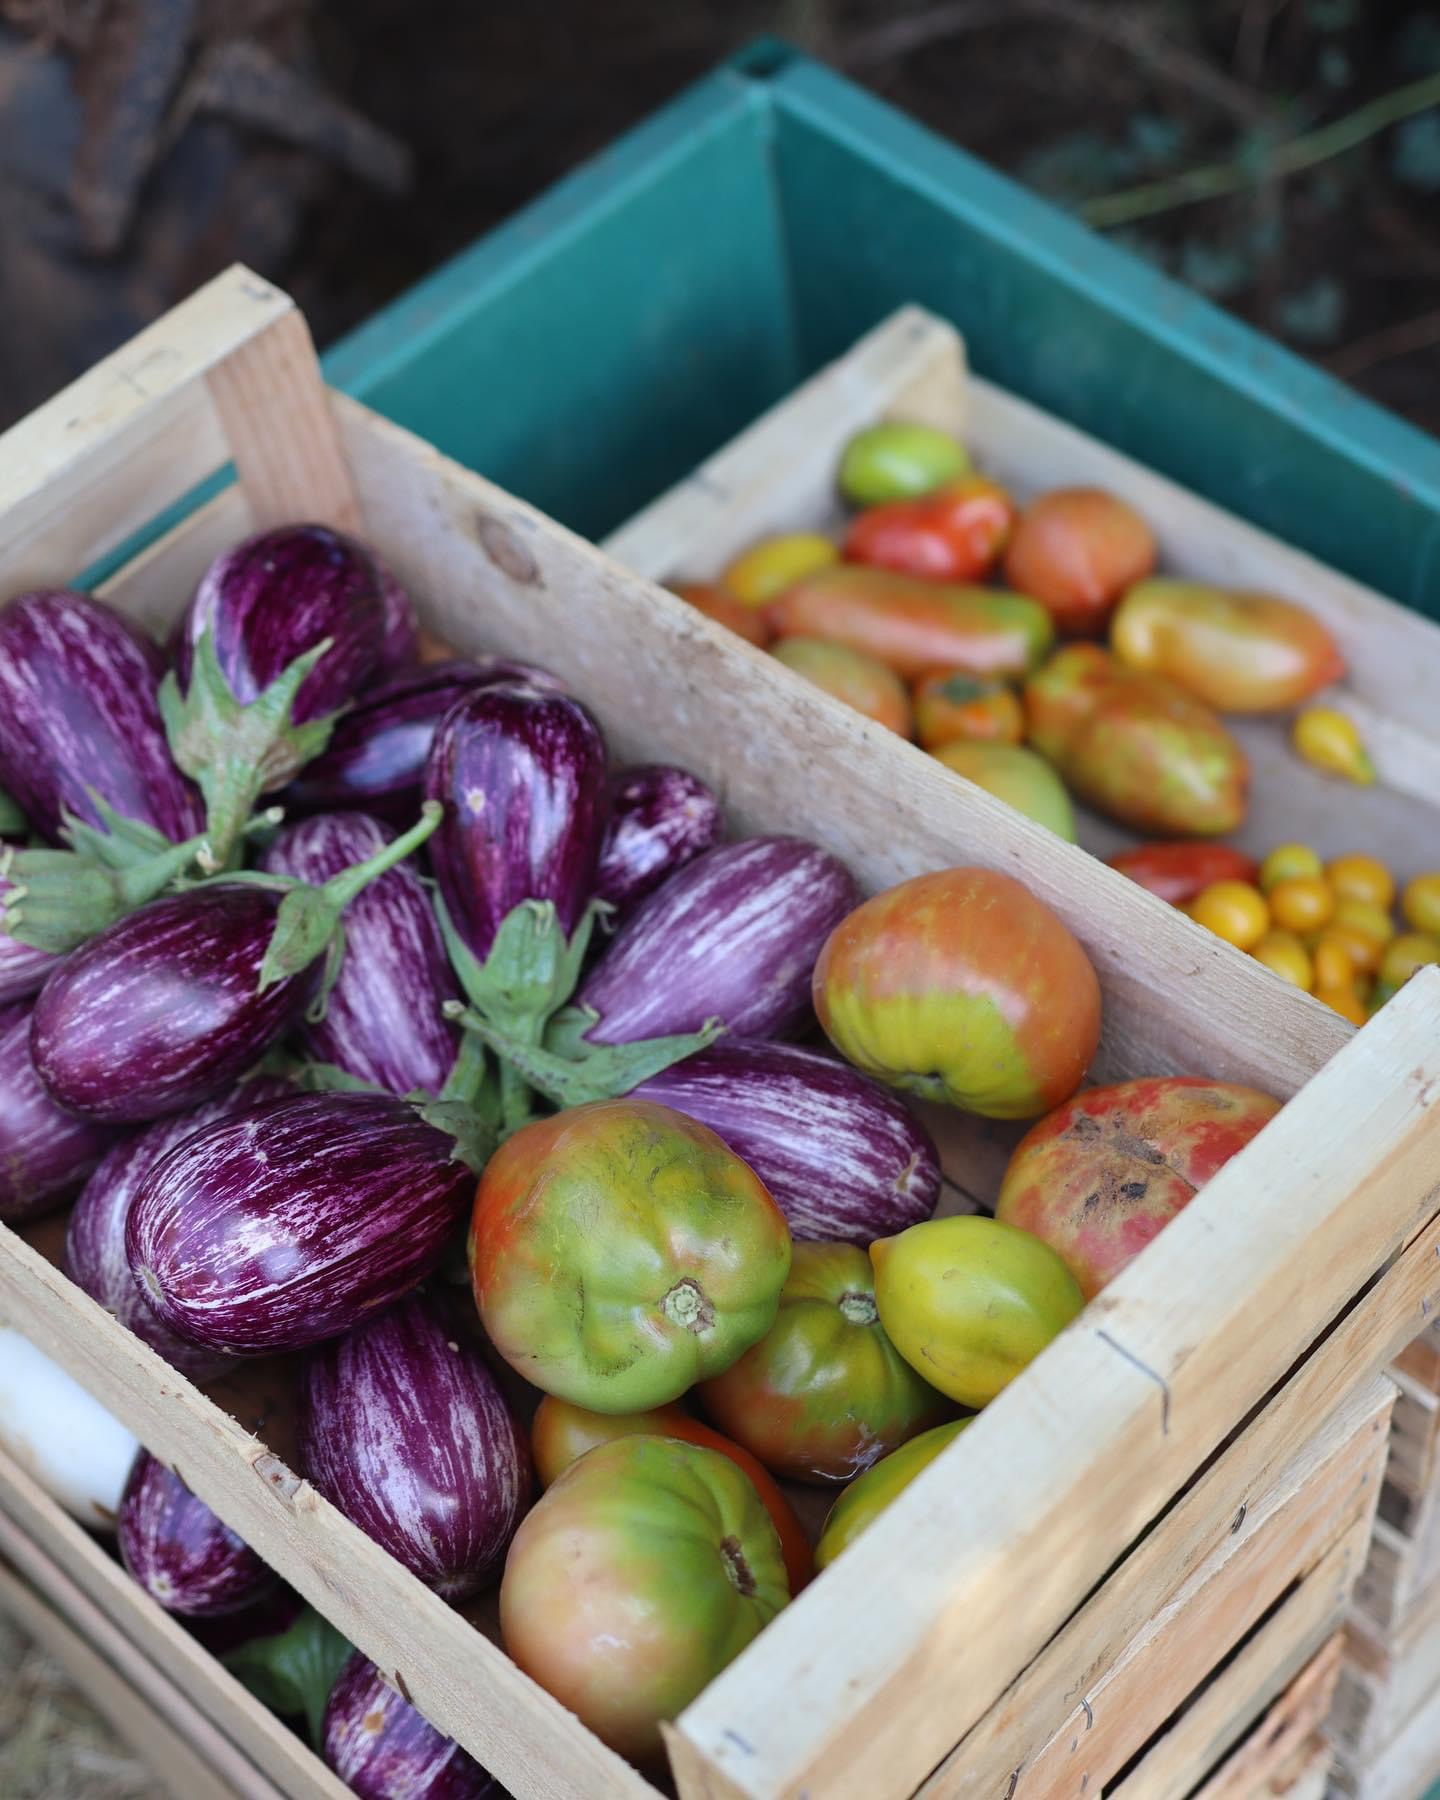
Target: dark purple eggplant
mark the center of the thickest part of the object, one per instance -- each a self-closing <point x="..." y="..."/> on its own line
<point x="45" y="1154"/>
<point x="180" y="1552"/>
<point x="734" y="936"/>
<point x="382" y="1020"/>
<point x="660" y="819"/>
<point x="161" y="1011"/>
<point x="23" y="969"/>
<point x="400" y="625"/>
<point x="383" y="1749"/>
<point x="406" y="1430"/>
<point x="842" y="1156"/>
<point x="288" y="1225"/>
<point x="95" y="1256"/>
<point x="377" y="751"/>
<point x="78" y="712"/>
<point x="278" y="595"/>
<point x="521" y="774"/>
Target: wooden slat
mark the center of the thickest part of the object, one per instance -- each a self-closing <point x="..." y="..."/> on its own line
<point x="1404" y="1768"/>
<point x="187" y="1756"/>
<point x="1285" y="1747"/>
<point x="71" y="1571"/>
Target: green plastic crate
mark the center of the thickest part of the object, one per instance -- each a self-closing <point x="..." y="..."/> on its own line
<point x="596" y="347"/>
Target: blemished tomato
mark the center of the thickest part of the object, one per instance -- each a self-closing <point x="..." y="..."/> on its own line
<point x="859" y="680"/>
<point x="971" y="1301"/>
<point x="748" y="622"/>
<point x="766" y="569"/>
<point x="824" y="1393"/>
<point x="1331" y="741"/>
<point x="1358" y="877"/>
<point x="1302" y="903"/>
<point x="562" y="1432"/>
<point x="1238" y="652"/>
<point x="1420" y="903"/>
<point x="914" y="626"/>
<point x="1077" y="550"/>
<point x="1101" y="1177"/>
<point x="1233" y="910"/>
<point x="899" y="461"/>
<point x="953" y="707"/>
<point x="647" y="1567"/>
<point x="961" y="986"/>
<point x="869" y="1494"/>
<point x="1177" y="872"/>
<point x="1287" y="862"/>
<point x="1283" y="952"/>
<point x="1017" y="776"/>
<point x="620" y="1253"/>
<point x="953" y="534"/>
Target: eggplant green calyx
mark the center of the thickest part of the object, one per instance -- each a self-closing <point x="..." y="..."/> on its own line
<point x="293" y="1671"/>
<point x="57" y="899"/>
<point x="12" y="821"/>
<point x="236" y="751"/>
<point x="307" y="924"/>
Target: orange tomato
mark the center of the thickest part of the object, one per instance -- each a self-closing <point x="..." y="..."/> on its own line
<point x="1345" y="1001"/>
<point x="1077" y="550"/>
<point x="1421" y="903"/>
<point x="748" y="622"/>
<point x="1233" y="910"/>
<point x="1361" y="878"/>
<point x="1334" y="964"/>
<point x="1361" y="945"/>
<point x="1302" y="903"/>
<point x="953" y="534"/>
<point x="850" y="676"/>
<point x="953" y="707"/>
<point x="1283" y="952"/>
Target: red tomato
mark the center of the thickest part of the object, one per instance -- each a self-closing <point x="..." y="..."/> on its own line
<point x="1177" y="872"/>
<point x="563" y="1432"/>
<point x="954" y="534"/>
<point x="1077" y="550"/>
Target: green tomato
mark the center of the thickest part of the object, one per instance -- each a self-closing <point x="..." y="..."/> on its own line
<point x="868" y="1496"/>
<point x="1016" y="775"/>
<point x="896" y="461"/>
<point x="620" y="1253"/>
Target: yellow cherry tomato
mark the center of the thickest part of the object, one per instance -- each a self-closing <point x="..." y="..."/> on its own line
<point x="1233" y="910"/>
<point x="1330" y="741"/>
<point x="1366" y="916"/>
<point x="1283" y="952"/>
<point x="1334" y="965"/>
<point x="1405" y="954"/>
<point x="1421" y="903"/>
<point x="1361" y="878"/>
<point x="1301" y="903"/>
<point x="1287" y="862"/>
<point x="1345" y="1001"/>
<point x="766" y="569"/>
<point x="1361" y="945"/>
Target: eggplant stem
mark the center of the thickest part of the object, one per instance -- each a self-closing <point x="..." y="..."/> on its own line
<point x="341" y="889"/>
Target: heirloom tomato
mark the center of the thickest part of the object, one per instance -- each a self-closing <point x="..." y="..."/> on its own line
<point x="620" y="1253"/>
<point x="562" y="1433"/>
<point x="954" y="534"/>
<point x="961" y="986"/>
<point x="824" y="1393"/>
<point x="1017" y="776"/>
<point x="971" y="1301"/>
<point x="1077" y="550"/>
<point x="748" y="622"/>
<point x="646" y="1568"/>
<point x="766" y="569"/>
<point x="953" y="707"/>
<point x="859" y="680"/>
<point x="1178" y="871"/>
<point x="869" y="1494"/>
<point x="898" y="461"/>
<point x="1103" y="1175"/>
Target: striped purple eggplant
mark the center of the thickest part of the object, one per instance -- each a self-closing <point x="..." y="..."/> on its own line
<point x="399" y="623"/>
<point x="520" y="771"/>
<point x="45" y="1154"/>
<point x="277" y="595"/>
<point x="23" y="969"/>
<point x="161" y="1011"/>
<point x="382" y="1020"/>
<point x="660" y="819"/>
<point x="734" y="936"/>
<point x="78" y="712"/>
<point x="842" y="1156"/>
<point x="406" y="1430"/>
<point x="285" y="1226"/>
<point x="180" y="1552"/>
<point x="95" y="1256"/>
<point x="383" y="1749"/>
<point x="377" y="751"/>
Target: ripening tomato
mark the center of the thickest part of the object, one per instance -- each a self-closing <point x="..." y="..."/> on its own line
<point x="1287" y="861"/>
<point x="1302" y="903"/>
<point x="1233" y="910"/>
<point x="1330" y="740"/>
<point x="1077" y="550"/>
<point x="859" y="680"/>
<point x="1405" y="954"/>
<point x="1101" y="1177"/>
<point x="1283" y="952"/>
<point x="953" y="534"/>
<point x="953" y="707"/>
<point x="1250" y="653"/>
<point x="896" y="460"/>
<point x="961" y="986"/>
<point x="562" y="1432"/>
<point x="1346" y="1001"/>
<point x="766" y="569"/>
<point x="869" y="1494"/>
<point x="646" y="1568"/>
<point x="748" y="622"/>
<point x="1018" y="777"/>
<point x="824" y="1393"/>
<point x="620" y="1253"/>
<point x="971" y="1301"/>
<point x="1178" y="871"/>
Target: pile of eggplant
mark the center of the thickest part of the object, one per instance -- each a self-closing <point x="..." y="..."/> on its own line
<point x="297" y="924"/>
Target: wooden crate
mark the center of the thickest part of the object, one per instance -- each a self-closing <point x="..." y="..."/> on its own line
<point x="1085" y="1507"/>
